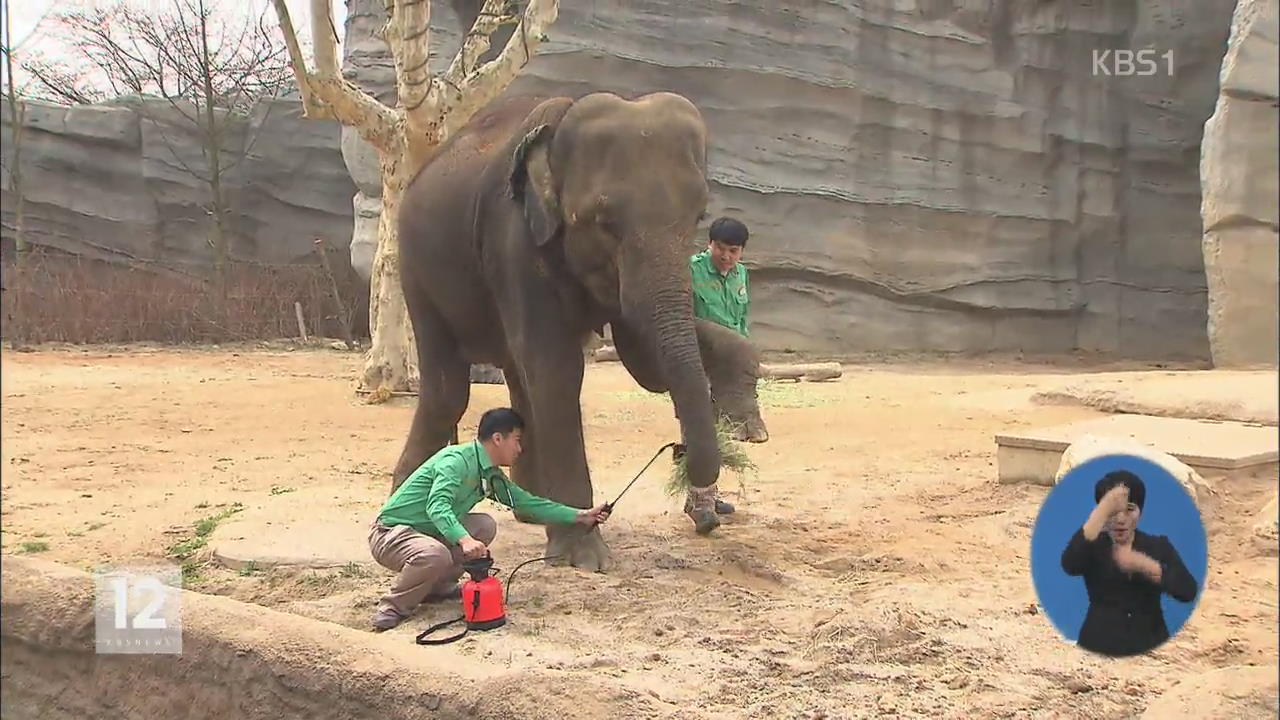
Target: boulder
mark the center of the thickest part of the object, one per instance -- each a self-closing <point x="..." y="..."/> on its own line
<point x="484" y="374"/>
<point x="1240" y="212"/>
<point x="364" y="236"/>
<point x="1266" y="527"/>
<point x="362" y="162"/>
<point x="1088" y="447"/>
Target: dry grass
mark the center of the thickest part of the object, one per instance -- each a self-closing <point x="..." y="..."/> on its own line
<point x="58" y="298"/>
<point x="733" y="456"/>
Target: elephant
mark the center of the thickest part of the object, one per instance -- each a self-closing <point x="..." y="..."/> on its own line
<point x="538" y="222"/>
<point x="733" y="369"/>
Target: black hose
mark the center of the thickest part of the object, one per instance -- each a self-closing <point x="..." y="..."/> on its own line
<point x="507" y="595"/>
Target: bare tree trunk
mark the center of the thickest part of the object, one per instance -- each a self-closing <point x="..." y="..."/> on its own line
<point x="213" y="148"/>
<point x="17" y="116"/>
<point x="392" y="361"/>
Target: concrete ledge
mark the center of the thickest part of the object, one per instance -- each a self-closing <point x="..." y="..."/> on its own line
<point x="1027" y="465"/>
<point x="1213" y="449"/>
<point x="248" y="662"/>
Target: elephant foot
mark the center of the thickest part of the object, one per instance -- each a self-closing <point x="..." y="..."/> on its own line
<point x="701" y="508"/>
<point x="486" y="375"/>
<point x="580" y="548"/>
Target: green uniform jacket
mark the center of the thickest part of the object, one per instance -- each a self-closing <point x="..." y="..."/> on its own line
<point x="722" y="299"/>
<point x="454" y="480"/>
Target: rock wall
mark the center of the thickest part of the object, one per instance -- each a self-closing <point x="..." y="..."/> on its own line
<point x="1241" y="188"/>
<point x="927" y="175"/>
<point x="123" y="182"/>
<point x="932" y="175"/>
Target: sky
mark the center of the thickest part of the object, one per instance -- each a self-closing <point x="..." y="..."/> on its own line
<point x="30" y="33"/>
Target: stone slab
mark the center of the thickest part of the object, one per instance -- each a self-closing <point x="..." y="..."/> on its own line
<point x="1240" y="396"/>
<point x="1210" y="447"/>
<point x="297" y="530"/>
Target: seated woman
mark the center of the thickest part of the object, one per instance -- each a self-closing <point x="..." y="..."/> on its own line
<point x="1125" y="571"/>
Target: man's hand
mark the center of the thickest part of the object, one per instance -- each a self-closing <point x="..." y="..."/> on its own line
<point x="472" y="548"/>
<point x="594" y="516"/>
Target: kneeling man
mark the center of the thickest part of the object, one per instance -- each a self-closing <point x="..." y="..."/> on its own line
<point x="426" y="529"/>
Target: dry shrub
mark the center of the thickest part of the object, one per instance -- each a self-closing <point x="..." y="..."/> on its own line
<point x="54" y="297"/>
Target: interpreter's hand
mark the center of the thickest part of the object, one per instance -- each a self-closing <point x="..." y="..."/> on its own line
<point x="1116" y="499"/>
<point x="1132" y="561"/>
<point x="594" y="516"/>
<point x="472" y="549"/>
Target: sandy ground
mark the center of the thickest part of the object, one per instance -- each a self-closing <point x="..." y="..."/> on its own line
<point x="874" y="566"/>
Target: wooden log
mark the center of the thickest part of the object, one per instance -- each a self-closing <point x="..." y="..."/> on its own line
<point x="813" y="372"/>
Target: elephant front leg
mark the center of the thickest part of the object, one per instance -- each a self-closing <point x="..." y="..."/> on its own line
<point x="577" y="546"/>
<point x="553" y="464"/>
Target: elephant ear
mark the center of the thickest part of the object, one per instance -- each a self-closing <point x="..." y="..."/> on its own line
<point x="531" y="180"/>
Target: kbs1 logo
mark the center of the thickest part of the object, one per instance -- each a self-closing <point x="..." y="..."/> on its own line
<point x="1128" y="63"/>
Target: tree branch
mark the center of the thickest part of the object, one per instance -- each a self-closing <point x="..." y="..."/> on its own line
<point x="324" y="43"/>
<point x="326" y="94"/>
<point x="312" y="107"/>
<point x="408" y="34"/>
<point x="476" y="42"/>
<point x="481" y="87"/>
<point x="61" y="85"/>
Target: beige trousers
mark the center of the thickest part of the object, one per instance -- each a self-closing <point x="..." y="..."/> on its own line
<point x="426" y="565"/>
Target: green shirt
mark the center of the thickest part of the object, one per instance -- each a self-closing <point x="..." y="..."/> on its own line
<point x="445" y="488"/>
<point x="722" y="299"/>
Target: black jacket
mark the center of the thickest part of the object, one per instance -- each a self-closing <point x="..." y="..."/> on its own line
<point x="1125" y="617"/>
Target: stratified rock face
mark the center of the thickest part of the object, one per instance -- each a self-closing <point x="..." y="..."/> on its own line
<point x="1241" y="180"/>
<point x="933" y="175"/>
<point x="918" y="175"/>
<point x="115" y="183"/>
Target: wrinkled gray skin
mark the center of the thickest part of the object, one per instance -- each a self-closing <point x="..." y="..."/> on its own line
<point x="538" y="223"/>
<point x="733" y="367"/>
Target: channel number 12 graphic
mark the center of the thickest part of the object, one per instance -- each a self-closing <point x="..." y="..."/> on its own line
<point x="138" y="610"/>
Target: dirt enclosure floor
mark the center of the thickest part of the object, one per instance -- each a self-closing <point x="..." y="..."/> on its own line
<point x="875" y="566"/>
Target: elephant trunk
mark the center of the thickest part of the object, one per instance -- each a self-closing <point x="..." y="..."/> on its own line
<point x="664" y="311"/>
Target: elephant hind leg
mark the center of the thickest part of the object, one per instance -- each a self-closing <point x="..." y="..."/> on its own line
<point x="444" y="389"/>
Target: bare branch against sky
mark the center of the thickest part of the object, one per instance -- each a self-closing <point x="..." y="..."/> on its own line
<point x="202" y="68"/>
<point x="33" y="23"/>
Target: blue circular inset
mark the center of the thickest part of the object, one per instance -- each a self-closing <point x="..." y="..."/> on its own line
<point x="1168" y="512"/>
